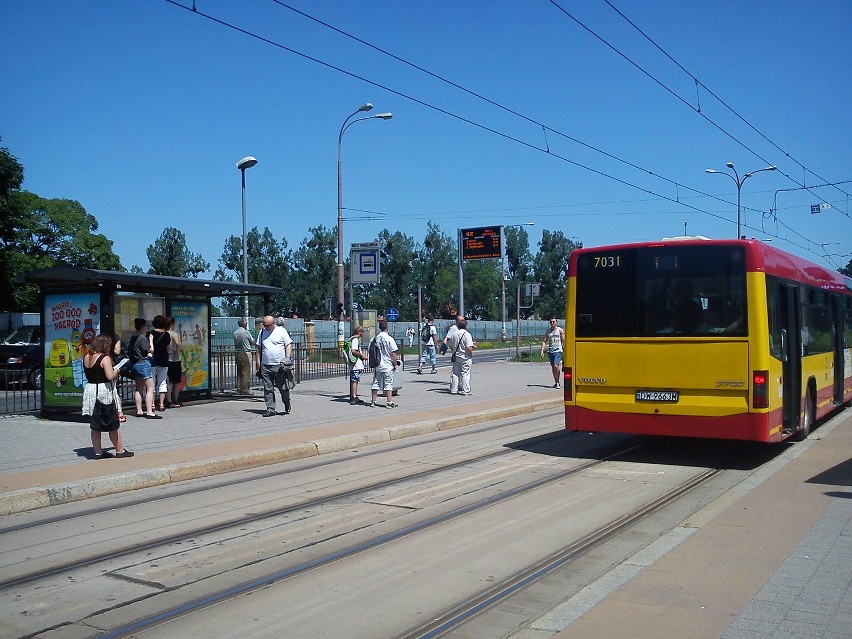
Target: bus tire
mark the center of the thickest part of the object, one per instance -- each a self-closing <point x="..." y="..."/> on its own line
<point x="807" y="419"/>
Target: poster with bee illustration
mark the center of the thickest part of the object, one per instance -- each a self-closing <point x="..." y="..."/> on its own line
<point x="71" y="322"/>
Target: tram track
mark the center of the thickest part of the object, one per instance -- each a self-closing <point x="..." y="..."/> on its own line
<point x="243" y="519"/>
<point x="482" y="601"/>
<point x="233" y="592"/>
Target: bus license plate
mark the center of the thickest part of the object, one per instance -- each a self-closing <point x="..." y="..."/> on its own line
<point x="657" y="396"/>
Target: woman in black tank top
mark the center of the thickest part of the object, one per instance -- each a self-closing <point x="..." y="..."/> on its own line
<point x="100" y="378"/>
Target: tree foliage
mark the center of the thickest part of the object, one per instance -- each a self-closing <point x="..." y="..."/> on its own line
<point x="549" y="269"/>
<point x="168" y="255"/>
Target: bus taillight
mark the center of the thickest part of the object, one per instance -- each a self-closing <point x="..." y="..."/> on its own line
<point x="568" y="392"/>
<point x="760" y="389"/>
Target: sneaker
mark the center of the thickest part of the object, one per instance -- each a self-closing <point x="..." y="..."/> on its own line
<point x="419" y="371"/>
<point x="287" y="410"/>
<point x="104" y="455"/>
<point x="372" y="404"/>
<point x="124" y="453"/>
<point x="352" y="402"/>
<point x="434" y="371"/>
<point x="556" y="385"/>
<point x="269" y="413"/>
<point x="391" y="405"/>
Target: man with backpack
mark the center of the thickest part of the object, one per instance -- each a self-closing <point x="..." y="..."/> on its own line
<point x="356" y="358"/>
<point x="382" y="358"/>
<point x="429" y="339"/>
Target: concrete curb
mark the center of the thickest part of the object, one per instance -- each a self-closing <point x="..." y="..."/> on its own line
<point x="40" y="497"/>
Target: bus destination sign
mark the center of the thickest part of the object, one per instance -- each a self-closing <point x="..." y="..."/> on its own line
<point x="481" y="243"/>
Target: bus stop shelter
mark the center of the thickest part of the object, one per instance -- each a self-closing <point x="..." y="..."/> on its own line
<point x="79" y="303"/>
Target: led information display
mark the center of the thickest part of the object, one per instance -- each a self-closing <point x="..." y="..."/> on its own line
<point x="481" y="244"/>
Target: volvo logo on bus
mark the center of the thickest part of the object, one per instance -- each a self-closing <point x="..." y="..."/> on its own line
<point x="593" y="380"/>
<point x="730" y="383"/>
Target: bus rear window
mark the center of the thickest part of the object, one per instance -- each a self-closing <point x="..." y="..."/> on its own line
<point x="657" y="291"/>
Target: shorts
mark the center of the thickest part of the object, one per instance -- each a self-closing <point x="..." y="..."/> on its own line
<point x="143" y="370"/>
<point x="382" y="381"/>
<point x="175" y="372"/>
<point x="555" y="358"/>
<point x="161" y="379"/>
<point x="355" y="375"/>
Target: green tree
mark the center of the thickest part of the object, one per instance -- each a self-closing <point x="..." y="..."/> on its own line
<point x="847" y="270"/>
<point x="11" y="219"/>
<point x="482" y="289"/>
<point x="549" y="268"/>
<point x="168" y="255"/>
<point x="314" y="277"/>
<point x="268" y="264"/>
<point x="518" y="265"/>
<point x="398" y="283"/>
<point x="436" y="270"/>
<point x="54" y="232"/>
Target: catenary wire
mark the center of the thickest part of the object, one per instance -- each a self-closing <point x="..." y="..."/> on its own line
<point x="483" y="127"/>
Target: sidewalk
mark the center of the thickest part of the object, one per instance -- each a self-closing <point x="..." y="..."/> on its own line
<point x="770" y="559"/>
<point x="48" y="462"/>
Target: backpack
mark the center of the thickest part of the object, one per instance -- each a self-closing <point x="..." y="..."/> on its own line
<point x="374" y="355"/>
<point x="347" y="351"/>
<point x="426" y="333"/>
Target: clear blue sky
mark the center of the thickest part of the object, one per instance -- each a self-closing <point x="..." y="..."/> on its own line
<point x="140" y="111"/>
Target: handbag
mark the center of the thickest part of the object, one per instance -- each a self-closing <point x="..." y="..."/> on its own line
<point x="453" y="358"/>
<point x="104" y="416"/>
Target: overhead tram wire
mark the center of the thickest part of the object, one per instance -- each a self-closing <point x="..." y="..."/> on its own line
<point x="194" y="11"/>
<point x="681" y="99"/>
<point x="721" y="101"/>
<point x="543" y="126"/>
<point x="509" y="110"/>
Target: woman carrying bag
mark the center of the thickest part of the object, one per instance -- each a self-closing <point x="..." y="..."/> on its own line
<point x="99" y="397"/>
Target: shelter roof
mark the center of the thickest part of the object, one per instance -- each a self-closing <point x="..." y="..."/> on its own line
<point x="74" y="277"/>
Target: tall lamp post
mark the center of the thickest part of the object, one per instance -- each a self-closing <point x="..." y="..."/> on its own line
<point x="346" y="124"/>
<point x="739" y="182"/>
<point x="503" y="273"/>
<point x="246" y="163"/>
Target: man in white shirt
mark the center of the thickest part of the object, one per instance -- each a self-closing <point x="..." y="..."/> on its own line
<point x="383" y="373"/>
<point x="274" y="362"/>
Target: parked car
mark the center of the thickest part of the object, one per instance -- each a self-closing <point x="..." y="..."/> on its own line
<point x="22" y="357"/>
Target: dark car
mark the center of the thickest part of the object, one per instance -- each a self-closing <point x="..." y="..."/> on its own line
<point x="22" y="357"/>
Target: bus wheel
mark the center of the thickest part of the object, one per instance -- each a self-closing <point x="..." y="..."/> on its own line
<point x="807" y="420"/>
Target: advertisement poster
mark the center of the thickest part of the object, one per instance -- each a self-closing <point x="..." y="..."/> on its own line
<point x="191" y="322"/>
<point x="71" y="322"/>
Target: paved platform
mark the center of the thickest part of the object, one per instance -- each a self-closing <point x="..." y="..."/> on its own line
<point x="48" y="462"/>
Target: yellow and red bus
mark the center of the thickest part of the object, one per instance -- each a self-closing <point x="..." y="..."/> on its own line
<point x="693" y="337"/>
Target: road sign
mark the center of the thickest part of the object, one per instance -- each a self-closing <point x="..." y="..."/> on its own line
<point x="364" y="263"/>
<point x="481" y="243"/>
<point x="392" y="315"/>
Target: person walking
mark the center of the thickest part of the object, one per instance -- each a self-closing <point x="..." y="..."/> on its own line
<point x="175" y="374"/>
<point x="160" y="340"/>
<point x="460" y="345"/>
<point x="429" y="337"/>
<point x="100" y="386"/>
<point x="139" y="350"/>
<point x="357" y="357"/>
<point x="409" y="334"/>
<point x="383" y="373"/>
<point x="274" y="349"/>
<point x="554" y="341"/>
<point x="243" y="345"/>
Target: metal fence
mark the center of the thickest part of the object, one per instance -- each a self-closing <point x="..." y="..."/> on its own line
<point x="321" y="359"/>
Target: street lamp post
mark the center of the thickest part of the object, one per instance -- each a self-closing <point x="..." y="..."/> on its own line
<point x="503" y="273"/>
<point x="739" y="182"/>
<point x="246" y="163"/>
<point x="340" y="284"/>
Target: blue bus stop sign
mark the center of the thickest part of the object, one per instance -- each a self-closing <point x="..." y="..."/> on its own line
<point x="392" y="315"/>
